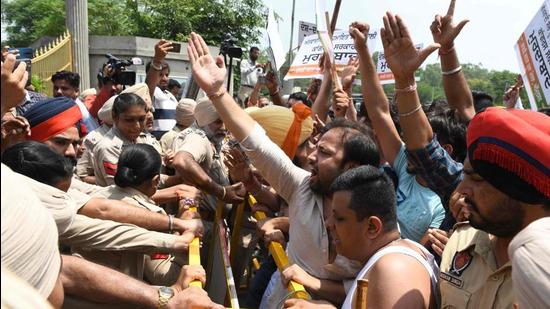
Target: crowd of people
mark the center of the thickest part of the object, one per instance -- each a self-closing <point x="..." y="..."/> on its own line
<point x="437" y="204"/>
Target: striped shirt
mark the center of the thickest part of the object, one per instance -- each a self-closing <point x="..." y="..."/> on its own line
<point x="165" y="112"/>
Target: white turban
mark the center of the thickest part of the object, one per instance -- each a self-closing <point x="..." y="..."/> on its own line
<point x="142" y="90"/>
<point x="205" y="112"/>
<point x="529" y="252"/>
<point x="87" y="92"/>
<point x="29" y="235"/>
<point x="185" y="112"/>
<point x="105" y="113"/>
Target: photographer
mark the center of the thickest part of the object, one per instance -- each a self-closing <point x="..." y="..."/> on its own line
<point x="164" y="102"/>
<point x="249" y="73"/>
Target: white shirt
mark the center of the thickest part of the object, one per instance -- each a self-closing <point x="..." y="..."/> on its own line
<point x="308" y="245"/>
<point x="249" y="73"/>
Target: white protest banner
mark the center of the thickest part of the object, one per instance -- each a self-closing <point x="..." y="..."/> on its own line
<point x="306" y="62"/>
<point x="306" y="29"/>
<point x="534" y="57"/>
<point x="384" y="73"/>
<point x="275" y="50"/>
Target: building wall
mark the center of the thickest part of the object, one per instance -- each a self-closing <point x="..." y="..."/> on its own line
<point x="127" y="47"/>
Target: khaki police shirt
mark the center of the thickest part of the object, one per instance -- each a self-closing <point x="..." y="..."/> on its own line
<point x="106" y="154"/>
<point x="130" y="263"/>
<point x="469" y="277"/>
<point x="85" y="165"/>
<point x="194" y="141"/>
<point x="168" y="138"/>
<point x="148" y="138"/>
<point x="130" y="196"/>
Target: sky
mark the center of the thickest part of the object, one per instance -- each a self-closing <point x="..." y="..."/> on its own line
<point x="489" y="37"/>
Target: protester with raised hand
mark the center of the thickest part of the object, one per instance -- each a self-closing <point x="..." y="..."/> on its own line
<point x="418" y="207"/>
<point x="13" y="83"/>
<point x="457" y="91"/>
<point x="343" y="145"/>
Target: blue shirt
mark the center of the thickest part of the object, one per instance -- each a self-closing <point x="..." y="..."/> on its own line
<point x="418" y="208"/>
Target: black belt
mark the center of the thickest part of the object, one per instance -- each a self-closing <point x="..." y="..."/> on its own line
<point x="247" y="86"/>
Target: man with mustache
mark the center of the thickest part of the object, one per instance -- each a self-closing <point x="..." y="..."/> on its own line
<point x="342" y="146"/>
<point x="506" y="187"/>
<point x="199" y="160"/>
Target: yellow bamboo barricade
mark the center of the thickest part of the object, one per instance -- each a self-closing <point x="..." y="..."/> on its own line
<point x="47" y="60"/>
<point x="279" y="255"/>
<point x="194" y="252"/>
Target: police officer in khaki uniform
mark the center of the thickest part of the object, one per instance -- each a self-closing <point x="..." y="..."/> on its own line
<point x="136" y="181"/>
<point x="469" y="274"/>
<point x="505" y="188"/>
<point x="129" y="113"/>
<point x="199" y="160"/>
<point x="184" y="119"/>
<point x="85" y="164"/>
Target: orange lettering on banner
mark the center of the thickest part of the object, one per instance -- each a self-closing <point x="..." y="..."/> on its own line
<point x="528" y="64"/>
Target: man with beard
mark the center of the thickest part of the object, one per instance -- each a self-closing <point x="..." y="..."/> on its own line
<point x="164" y="102"/>
<point x="200" y="162"/>
<point x="506" y="187"/>
<point x="342" y="146"/>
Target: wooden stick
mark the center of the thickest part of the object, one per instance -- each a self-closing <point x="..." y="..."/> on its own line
<point x="335" y="16"/>
<point x="361" y="294"/>
<point x="280" y="257"/>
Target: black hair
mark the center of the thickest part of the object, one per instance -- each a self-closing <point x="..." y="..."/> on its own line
<point x="164" y="65"/>
<point x="126" y="100"/>
<point x="449" y="129"/>
<point x="359" y="143"/>
<point x="482" y="100"/>
<point x="300" y="96"/>
<point x="71" y="77"/>
<point x="253" y="48"/>
<point x="173" y="83"/>
<point x="137" y="164"/>
<point x="39" y="162"/>
<point x="372" y="194"/>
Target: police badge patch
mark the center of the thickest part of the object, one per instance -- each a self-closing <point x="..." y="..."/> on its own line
<point x="461" y="261"/>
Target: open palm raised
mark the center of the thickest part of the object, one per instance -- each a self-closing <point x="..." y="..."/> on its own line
<point x="402" y="56"/>
<point x="209" y="73"/>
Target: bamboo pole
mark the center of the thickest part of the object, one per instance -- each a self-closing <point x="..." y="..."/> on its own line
<point x="280" y="257"/>
<point x="361" y="294"/>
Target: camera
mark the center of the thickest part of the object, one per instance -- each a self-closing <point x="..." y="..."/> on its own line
<point x="228" y="47"/>
<point x="120" y="75"/>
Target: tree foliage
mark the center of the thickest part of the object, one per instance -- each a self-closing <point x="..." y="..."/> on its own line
<point x="28" y="20"/>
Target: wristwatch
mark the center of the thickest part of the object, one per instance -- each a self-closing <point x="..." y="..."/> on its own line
<point x="165" y="294"/>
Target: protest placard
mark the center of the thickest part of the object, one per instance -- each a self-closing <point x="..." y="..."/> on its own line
<point x="306" y="62"/>
<point x="534" y="57"/>
<point x="306" y="29"/>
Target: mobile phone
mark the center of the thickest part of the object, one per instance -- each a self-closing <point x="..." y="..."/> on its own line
<point x="176" y="48"/>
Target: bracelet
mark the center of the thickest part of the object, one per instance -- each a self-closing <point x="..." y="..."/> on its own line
<point x="411" y="112"/>
<point x="170" y="224"/>
<point x="216" y="95"/>
<point x="410" y="88"/>
<point x="451" y="72"/>
<point x="443" y="52"/>
<point x="158" y="68"/>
